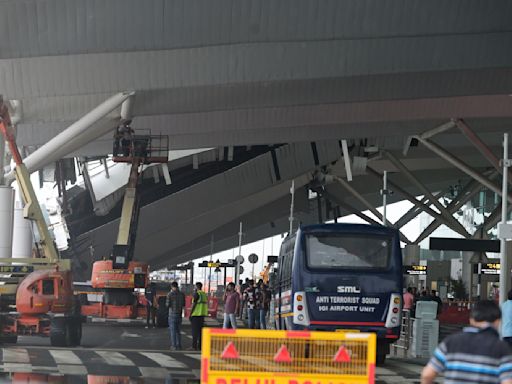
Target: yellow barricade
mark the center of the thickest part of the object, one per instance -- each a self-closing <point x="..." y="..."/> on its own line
<point x="246" y="356"/>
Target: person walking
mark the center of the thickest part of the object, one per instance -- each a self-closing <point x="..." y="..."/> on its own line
<point x="231" y="304"/>
<point x="438" y="300"/>
<point x="250" y="300"/>
<point x="197" y="314"/>
<point x="506" y="323"/>
<point x="150" y="294"/>
<point x="263" y="298"/>
<point x="475" y="355"/>
<point x="175" y="302"/>
<point x="410" y="302"/>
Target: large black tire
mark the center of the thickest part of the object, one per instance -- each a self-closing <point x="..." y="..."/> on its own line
<point x="162" y="317"/>
<point x="382" y="351"/>
<point x="60" y="332"/>
<point x="8" y="339"/>
<point x="381" y="358"/>
<point x="75" y="331"/>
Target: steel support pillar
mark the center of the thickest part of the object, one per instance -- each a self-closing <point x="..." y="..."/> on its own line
<point x="470" y="190"/>
<point x="418" y="204"/>
<point x="351" y="209"/>
<point x="442" y="210"/>
<point x="367" y="204"/>
<point x="462" y="166"/>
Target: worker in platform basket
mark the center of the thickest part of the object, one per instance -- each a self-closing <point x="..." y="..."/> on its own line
<point x="475" y="355"/>
<point x="124" y="134"/>
<point x="197" y="314"/>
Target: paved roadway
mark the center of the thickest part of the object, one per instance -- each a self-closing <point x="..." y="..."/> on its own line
<point x="133" y="351"/>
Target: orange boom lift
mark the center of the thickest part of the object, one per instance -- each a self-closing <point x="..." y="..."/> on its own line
<point x="44" y="300"/>
<point x="118" y="276"/>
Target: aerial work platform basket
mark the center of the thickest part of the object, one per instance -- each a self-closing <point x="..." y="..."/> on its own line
<point x="148" y="148"/>
<point x="293" y="357"/>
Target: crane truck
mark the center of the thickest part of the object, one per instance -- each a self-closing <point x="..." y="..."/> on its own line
<point x="41" y="292"/>
<point x="118" y="275"/>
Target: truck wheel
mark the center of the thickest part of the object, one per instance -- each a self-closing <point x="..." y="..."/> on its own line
<point x="59" y="333"/>
<point x="382" y="351"/>
<point x="162" y="318"/>
<point x="75" y="332"/>
<point x="8" y="339"/>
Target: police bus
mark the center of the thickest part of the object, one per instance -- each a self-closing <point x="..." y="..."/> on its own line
<point x="341" y="276"/>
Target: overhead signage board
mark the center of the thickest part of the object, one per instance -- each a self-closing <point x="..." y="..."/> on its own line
<point x="474" y="245"/>
<point x="414" y="269"/>
<point x="487" y="268"/>
<point x="209" y="264"/>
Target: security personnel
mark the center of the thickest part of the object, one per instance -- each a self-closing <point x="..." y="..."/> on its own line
<point x="197" y="314"/>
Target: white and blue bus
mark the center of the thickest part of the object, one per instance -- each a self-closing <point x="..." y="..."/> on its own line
<point x="341" y="276"/>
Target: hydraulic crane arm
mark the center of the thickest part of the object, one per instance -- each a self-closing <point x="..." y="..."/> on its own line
<point x="32" y="209"/>
<point x="128" y="214"/>
<point x="122" y="252"/>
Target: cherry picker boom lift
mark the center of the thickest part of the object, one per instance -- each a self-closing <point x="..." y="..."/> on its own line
<point x="44" y="300"/>
<point x="118" y="276"/>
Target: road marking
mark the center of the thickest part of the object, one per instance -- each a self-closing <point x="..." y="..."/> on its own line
<point x="17" y="367"/>
<point x="115" y="358"/>
<point x="62" y="356"/>
<point x="196" y="356"/>
<point x="163" y="360"/>
<point x="68" y="369"/>
<point x="154" y="372"/>
<point x="15" y="355"/>
<point x="127" y="334"/>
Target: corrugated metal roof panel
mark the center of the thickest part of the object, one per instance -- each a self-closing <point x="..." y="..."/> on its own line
<point x="56" y="27"/>
<point x="103" y="73"/>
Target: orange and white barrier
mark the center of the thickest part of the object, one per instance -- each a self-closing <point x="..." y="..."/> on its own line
<point x="250" y="356"/>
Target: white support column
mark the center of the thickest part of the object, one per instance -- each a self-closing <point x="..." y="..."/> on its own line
<point x="504" y="259"/>
<point x="6" y="220"/>
<point x="76" y="135"/>
<point x="237" y="268"/>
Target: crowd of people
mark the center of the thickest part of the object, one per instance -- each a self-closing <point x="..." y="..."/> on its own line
<point x="251" y="302"/>
<point x="478" y="354"/>
<point x="412" y="296"/>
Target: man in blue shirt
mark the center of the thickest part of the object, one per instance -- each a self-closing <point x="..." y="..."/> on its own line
<point x="475" y="355"/>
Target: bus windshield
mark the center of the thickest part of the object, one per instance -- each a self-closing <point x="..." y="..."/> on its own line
<point x="332" y="250"/>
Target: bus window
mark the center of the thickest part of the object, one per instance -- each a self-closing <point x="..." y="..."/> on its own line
<point x="351" y="252"/>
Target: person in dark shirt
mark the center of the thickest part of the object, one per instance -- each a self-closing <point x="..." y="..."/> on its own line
<point x="475" y="355"/>
<point x="263" y="299"/>
<point x="175" y="302"/>
<point x="150" y="294"/>
<point x="250" y="300"/>
<point x="438" y="300"/>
